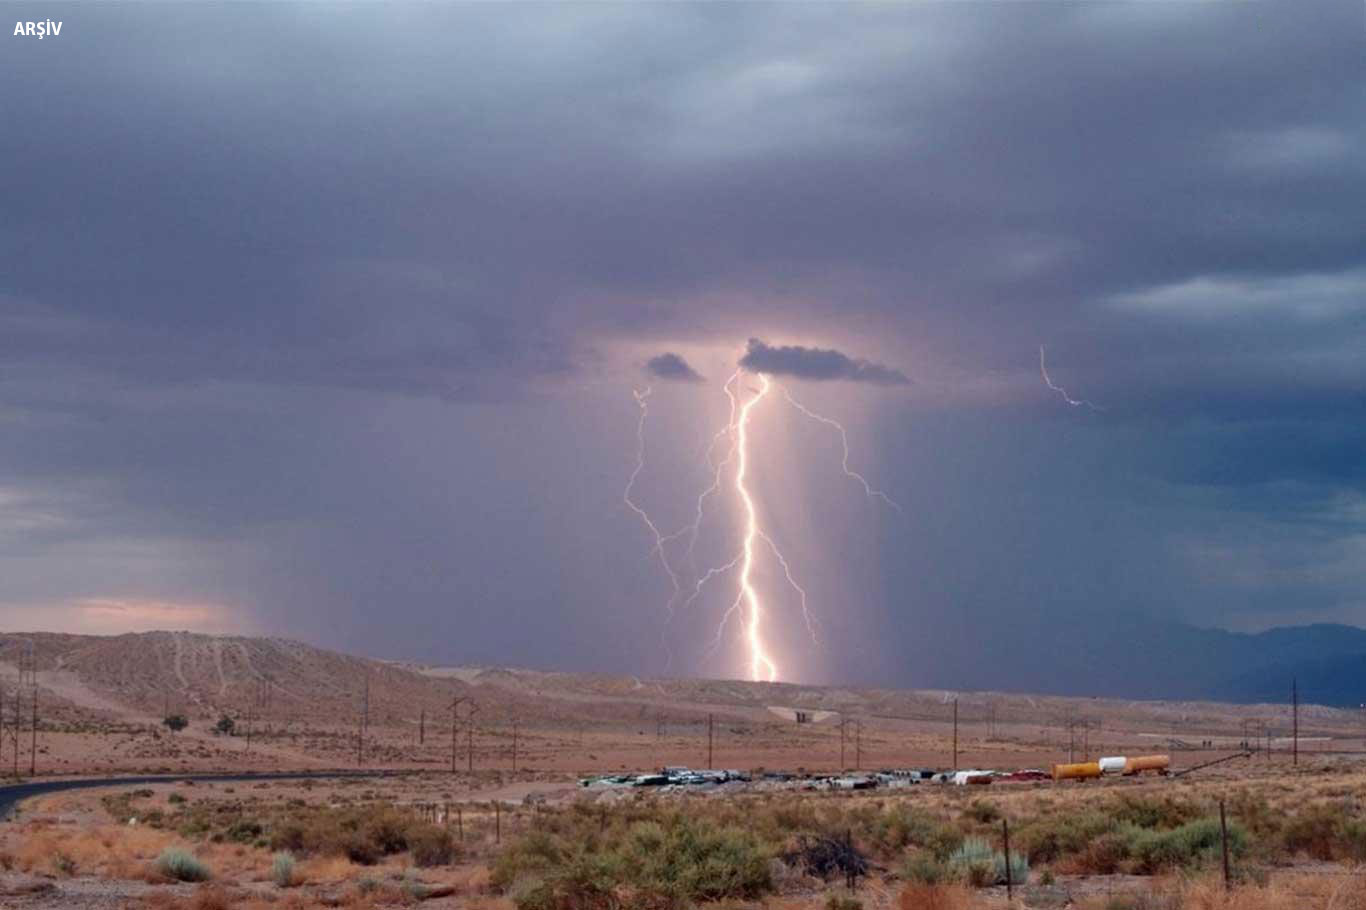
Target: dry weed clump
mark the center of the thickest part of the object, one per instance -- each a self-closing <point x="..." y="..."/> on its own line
<point x="107" y="851"/>
<point x="935" y="897"/>
<point x="1288" y="892"/>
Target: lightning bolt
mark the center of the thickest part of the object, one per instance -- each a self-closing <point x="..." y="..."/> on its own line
<point x="717" y="468"/>
<point x="868" y="489"/>
<point x="643" y="403"/>
<point x="761" y="666"/>
<point x="748" y="602"/>
<point x="1074" y="402"/>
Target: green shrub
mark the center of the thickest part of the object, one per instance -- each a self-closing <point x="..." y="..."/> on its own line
<point x="980" y="810"/>
<point x="1189" y="846"/>
<point x="282" y="870"/>
<point x="1147" y="811"/>
<point x="696" y="860"/>
<point x="181" y="866"/>
<point x="1047" y="839"/>
<point x="1109" y="851"/>
<point x="1315" y="830"/>
<point x="979" y="865"/>
<point x="659" y="858"/>
<point x="840" y="902"/>
<point x="975" y="862"/>
<point x="924" y="868"/>
<point x="430" y="846"/>
<point x="1018" y="866"/>
<point x="244" y="831"/>
<point x="586" y="883"/>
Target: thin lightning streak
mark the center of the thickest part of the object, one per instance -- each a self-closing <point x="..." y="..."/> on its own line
<point x="643" y="402"/>
<point x="725" y="621"/>
<point x="801" y="592"/>
<point x="711" y="573"/>
<point x="727" y="431"/>
<point x="868" y="488"/>
<point x="1074" y="402"/>
<point x="761" y="666"/>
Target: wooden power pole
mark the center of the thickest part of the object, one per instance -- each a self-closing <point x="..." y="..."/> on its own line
<point x="455" y="734"/>
<point x="33" y="735"/>
<point x="955" y="734"/>
<point x="469" y="738"/>
<point x="710" y="724"/>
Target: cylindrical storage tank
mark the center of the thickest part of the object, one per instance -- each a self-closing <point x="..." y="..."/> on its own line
<point x="1139" y="763"/>
<point x="1078" y="771"/>
<point x="1115" y="764"/>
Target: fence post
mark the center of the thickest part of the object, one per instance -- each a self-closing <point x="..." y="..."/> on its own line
<point x="850" y="876"/>
<point x="1223" y="832"/>
<point x="460" y="823"/>
<point x="497" y="822"/>
<point x="1005" y="836"/>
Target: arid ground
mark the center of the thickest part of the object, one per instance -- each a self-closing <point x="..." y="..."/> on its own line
<point x="512" y="819"/>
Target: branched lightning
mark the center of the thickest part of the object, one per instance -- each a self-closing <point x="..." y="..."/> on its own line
<point x="1074" y="402"/>
<point x="868" y="488"/>
<point x="761" y="666"/>
<point x="643" y="402"/>
<point x="748" y="602"/>
<point x="717" y="468"/>
<point x="801" y="592"/>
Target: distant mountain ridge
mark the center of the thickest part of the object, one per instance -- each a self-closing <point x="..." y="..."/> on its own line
<point x="1137" y="657"/>
<point x="1119" y="657"/>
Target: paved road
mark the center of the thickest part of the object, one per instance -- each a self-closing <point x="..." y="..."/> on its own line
<point x="11" y="794"/>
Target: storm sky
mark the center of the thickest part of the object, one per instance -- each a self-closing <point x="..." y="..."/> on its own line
<point x="323" y="321"/>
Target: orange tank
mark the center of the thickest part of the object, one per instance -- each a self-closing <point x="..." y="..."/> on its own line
<point x="1137" y="764"/>
<point x="1078" y="771"/>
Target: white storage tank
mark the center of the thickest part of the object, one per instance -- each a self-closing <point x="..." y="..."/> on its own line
<point x="1115" y="764"/>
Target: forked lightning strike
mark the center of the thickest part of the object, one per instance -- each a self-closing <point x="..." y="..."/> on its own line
<point x="868" y="488"/>
<point x="643" y="402"/>
<point x="761" y="666"/>
<point x="748" y="600"/>
<point x="1074" y="402"/>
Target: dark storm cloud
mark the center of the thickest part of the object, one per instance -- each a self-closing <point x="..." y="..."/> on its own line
<point x="288" y="282"/>
<point x="673" y="367"/>
<point x="816" y="364"/>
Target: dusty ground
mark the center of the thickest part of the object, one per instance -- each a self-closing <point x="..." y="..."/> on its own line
<point x="101" y="702"/>
<point x="68" y="851"/>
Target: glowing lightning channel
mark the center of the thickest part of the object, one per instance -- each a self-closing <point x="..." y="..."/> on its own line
<point x="761" y="666"/>
<point x="811" y="623"/>
<point x="871" y="491"/>
<point x="718" y="469"/>
<point x="643" y="402"/>
<point x="1074" y="402"/>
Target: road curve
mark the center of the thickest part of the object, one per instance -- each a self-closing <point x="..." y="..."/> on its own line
<point x="12" y="794"/>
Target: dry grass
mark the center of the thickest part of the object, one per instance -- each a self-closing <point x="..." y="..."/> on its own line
<point x="936" y="897"/>
<point x="107" y="851"/>
<point x="1291" y="891"/>
<point x="327" y="870"/>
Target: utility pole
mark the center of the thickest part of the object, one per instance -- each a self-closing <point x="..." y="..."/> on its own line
<point x="469" y="738"/>
<point x="858" y="745"/>
<point x="710" y="724"/>
<point x="33" y="731"/>
<point x="514" y="744"/>
<point x="455" y="736"/>
<point x="844" y="722"/>
<point x="422" y="727"/>
<point x="18" y="721"/>
<point x="955" y="734"/>
<point x="1295" y="720"/>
